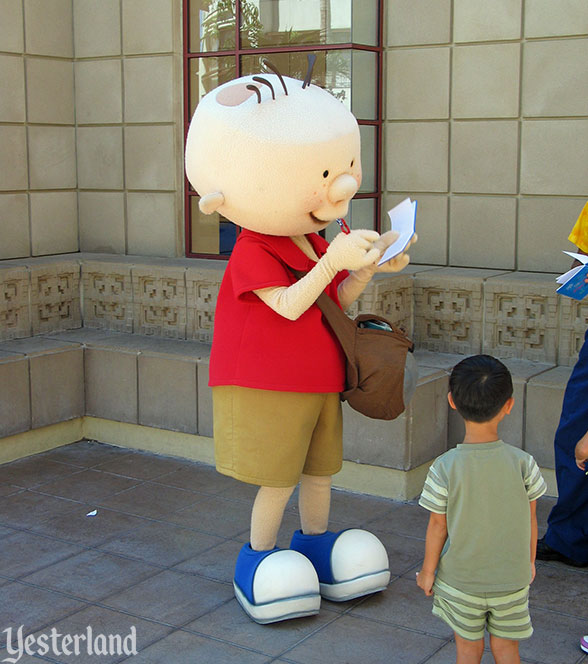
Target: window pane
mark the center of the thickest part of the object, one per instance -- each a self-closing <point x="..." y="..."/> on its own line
<point x="364" y="85"/>
<point x="332" y="69"/>
<point x="361" y="214"/>
<point x="365" y="22"/>
<point x="208" y="73"/>
<point x="284" y="22"/>
<point x="368" y="155"/>
<point x="211" y="233"/>
<point x="212" y="25"/>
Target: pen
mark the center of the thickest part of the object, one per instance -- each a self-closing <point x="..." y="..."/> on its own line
<point x="344" y="226"/>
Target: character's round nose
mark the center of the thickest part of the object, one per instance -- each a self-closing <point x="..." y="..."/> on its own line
<point x="343" y="188"/>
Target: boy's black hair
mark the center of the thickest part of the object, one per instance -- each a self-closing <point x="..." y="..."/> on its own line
<point x="480" y="386"/>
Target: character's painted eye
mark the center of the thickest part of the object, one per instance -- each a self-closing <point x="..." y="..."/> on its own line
<point x="352" y="162"/>
<point x="326" y="174"/>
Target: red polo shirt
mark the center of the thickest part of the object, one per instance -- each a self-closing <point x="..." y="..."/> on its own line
<point x="253" y="346"/>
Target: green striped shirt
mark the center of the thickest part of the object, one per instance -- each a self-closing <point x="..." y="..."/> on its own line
<point x="485" y="490"/>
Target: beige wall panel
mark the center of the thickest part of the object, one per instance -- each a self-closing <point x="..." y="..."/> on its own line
<point x="98" y="91"/>
<point x="97" y="28"/>
<point x="480" y="20"/>
<point x="14" y="226"/>
<point x="11" y="27"/>
<point x="544" y="225"/>
<point x="418" y="22"/>
<point x="52" y="157"/>
<point x="54" y="223"/>
<point x="431" y="227"/>
<point x="12" y="85"/>
<point x="15" y="405"/>
<point x="553" y="157"/>
<point x="147" y="26"/>
<point x="13" y="158"/>
<point x="485" y="81"/>
<point x="418" y="84"/>
<point x="49" y="27"/>
<point x="111" y="384"/>
<point x="484" y="157"/>
<point x="150" y="157"/>
<point x="102" y="221"/>
<point x="100" y="157"/>
<point x="482" y="232"/>
<point x="151" y="224"/>
<point x="555" y="77"/>
<point x="149" y="93"/>
<point x="546" y="18"/>
<point x="416" y="156"/>
<point x="50" y="91"/>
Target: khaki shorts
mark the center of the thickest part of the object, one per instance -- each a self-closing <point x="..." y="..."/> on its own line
<point x="505" y="614"/>
<point x="270" y="438"/>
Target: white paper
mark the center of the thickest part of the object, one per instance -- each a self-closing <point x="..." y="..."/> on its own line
<point x="402" y="220"/>
<point x="564" y="278"/>
<point x="92" y="513"/>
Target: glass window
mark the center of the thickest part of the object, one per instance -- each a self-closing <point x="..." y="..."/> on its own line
<point x="285" y="31"/>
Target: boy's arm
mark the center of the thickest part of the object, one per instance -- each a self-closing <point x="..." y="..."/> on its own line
<point x="533" y="505"/>
<point x="436" y="536"/>
<point x="581" y="452"/>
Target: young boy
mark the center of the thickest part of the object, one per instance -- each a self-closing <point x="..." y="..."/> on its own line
<point x="482" y="530"/>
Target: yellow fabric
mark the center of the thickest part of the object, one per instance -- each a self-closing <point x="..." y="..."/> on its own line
<point x="270" y="438"/>
<point x="579" y="234"/>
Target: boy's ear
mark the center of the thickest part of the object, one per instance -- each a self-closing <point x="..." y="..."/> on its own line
<point x="508" y="406"/>
<point x="451" y="401"/>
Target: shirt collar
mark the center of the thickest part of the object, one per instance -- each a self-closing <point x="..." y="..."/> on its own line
<point x="287" y="251"/>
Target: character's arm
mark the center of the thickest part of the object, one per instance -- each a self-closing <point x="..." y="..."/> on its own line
<point x="346" y="252"/>
<point x="436" y="536"/>
<point x="534" y="530"/>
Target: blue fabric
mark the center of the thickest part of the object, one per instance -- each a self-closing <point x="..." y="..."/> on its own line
<point x="317" y="548"/>
<point x="246" y="566"/>
<point x="568" y="522"/>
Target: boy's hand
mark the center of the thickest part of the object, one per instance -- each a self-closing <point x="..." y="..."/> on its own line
<point x="581" y="452"/>
<point x="425" y="581"/>
<point x="533" y="572"/>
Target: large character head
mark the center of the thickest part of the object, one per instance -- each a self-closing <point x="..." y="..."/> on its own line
<point x="275" y="155"/>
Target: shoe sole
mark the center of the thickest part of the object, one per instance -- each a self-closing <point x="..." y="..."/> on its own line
<point x="363" y="585"/>
<point x="282" y="609"/>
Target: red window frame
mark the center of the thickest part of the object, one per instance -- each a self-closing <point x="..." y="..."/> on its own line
<point x="237" y="53"/>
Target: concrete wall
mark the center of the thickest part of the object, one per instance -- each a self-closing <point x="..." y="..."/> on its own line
<point x="487" y="126"/>
<point x="90" y="127"/>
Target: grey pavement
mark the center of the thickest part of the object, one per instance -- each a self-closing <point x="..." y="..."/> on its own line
<point x="158" y="556"/>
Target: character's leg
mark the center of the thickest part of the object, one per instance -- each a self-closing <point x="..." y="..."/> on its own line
<point x="273" y="584"/>
<point x="350" y="563"/>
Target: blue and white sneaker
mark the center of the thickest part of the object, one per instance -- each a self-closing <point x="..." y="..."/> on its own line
<point x="349" y="564"/>
<point x="276" y="585"/>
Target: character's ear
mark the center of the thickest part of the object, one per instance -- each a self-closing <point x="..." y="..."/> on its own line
<point x="210" y="203"/>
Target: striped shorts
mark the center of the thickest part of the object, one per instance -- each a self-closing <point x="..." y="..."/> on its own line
<point x="505" y="615"/>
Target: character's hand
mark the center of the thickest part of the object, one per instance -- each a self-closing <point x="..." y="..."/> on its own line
<point x="353" y="251"/>
<point x="400" y="261"/>
<point x="581" y="452"/>
<point x="425" y="581"/>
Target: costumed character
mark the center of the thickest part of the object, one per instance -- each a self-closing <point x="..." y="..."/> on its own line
<point x="281" y="159"/>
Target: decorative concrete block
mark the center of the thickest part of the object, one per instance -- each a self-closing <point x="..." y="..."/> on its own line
<point x="159" y="303"/>
<point x="57" y="378"/>
<point x="449" y="310"/>
<point x="202" y="287"/>
<point x="111" y="384"/>
<point x="416" y="436"/>
<point x="389" y="296"/>
<point x="573" y="326"/>
<point x="108" y="295"/>
<point x="522" y="317"/>
<point x="15" y="404"/>
<point x="55" y="295"/>
<point x="168" y="392"/>
<point x="15" y="318"/>
<point x="544" y="401"/>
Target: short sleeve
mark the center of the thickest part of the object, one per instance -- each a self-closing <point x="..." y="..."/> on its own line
<point x="434" y="495"/>
<point x="254" y="266"/>
<point x="534" y="482"/>
<point x="579" y="234"/>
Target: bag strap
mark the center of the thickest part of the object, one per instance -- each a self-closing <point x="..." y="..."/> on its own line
<point x="342" y="326"/>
